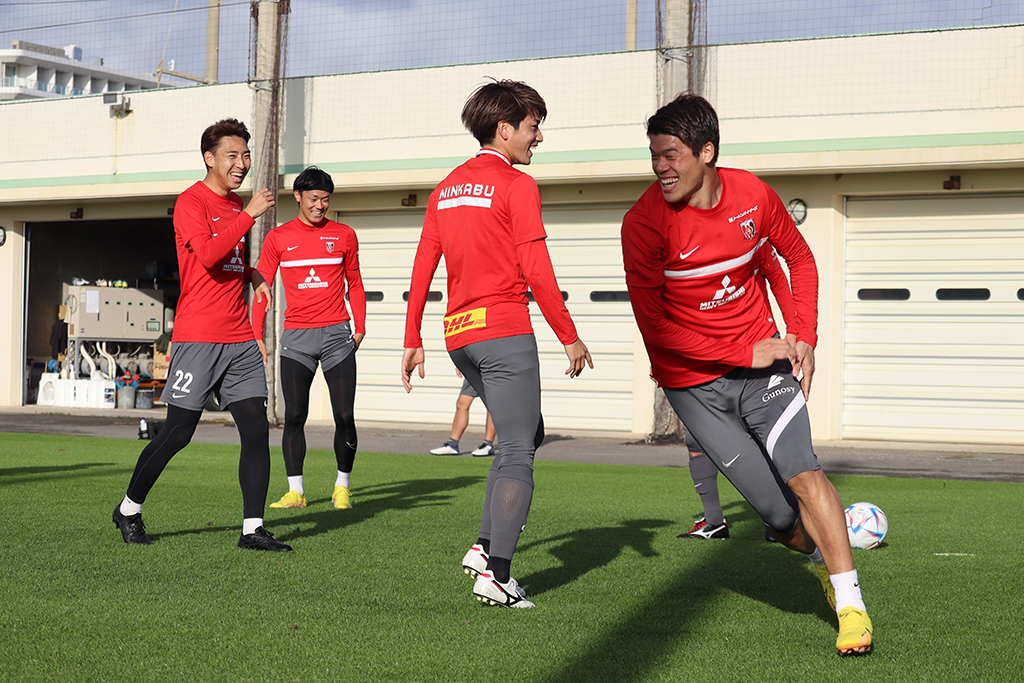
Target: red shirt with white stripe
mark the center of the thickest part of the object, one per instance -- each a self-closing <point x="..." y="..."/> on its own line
<point x="209" y="233"/>
<point x="770" y="273"/>
<point x="315" y="262"/>
<point x="485" y="219"/>
<point x="692" y="278"/>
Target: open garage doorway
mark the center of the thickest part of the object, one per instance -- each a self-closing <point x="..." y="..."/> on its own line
<point x="140" y="252"/>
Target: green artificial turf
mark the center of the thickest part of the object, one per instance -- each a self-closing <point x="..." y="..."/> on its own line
<point x="376" y="593"/>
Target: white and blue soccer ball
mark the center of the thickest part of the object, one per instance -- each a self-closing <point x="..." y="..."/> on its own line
<point x="866" y="524"/>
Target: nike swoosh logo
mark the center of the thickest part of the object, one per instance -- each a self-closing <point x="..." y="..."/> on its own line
<point x="291" y="248"/>
<point x="177" y="395"/>
<point x="682" y="256"/>
<point x="216" y="219"/>
<point x="727" y="464"/>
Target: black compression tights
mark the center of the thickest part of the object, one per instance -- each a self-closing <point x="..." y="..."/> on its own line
<point x="250" y="416"/>
<point x="296" y="380"/>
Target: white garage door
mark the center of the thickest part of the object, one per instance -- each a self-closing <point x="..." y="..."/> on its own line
<point x="584" y="248"/>
<point x="934" y="319"/>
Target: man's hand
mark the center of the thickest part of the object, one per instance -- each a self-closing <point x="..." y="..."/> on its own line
<point x="767" y="351"/>
<point x="263" y="350"/>
<point x="411" y="359"/>
<point x="804" y="364"/>
<point x="260" y="288"/>
<point x="578" y="357"/>
<point x="357" y="337"/>
<point x="260" y="202"/>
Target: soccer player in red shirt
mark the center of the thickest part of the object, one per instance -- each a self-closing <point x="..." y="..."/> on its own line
<point x="712" y="525"/>
<point x="316" y="256"/>
<point x="486" y="211"/>
<point x="214" y="348"/>
<point x="689" y="246"/>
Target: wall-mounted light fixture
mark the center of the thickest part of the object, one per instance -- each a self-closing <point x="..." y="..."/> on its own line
<point x="120" y="106"/>
<point x="797" y="210"/>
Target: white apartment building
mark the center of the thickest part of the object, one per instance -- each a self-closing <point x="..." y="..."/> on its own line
<point x="31" y="71"/>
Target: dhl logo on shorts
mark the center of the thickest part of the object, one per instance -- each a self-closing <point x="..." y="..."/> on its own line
<point x="467" y="320"/>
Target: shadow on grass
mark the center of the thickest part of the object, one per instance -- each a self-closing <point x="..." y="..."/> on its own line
<point x="55" y="469"/>
<point x="372" y="500"/>
<point x="583" y="550"/>
<point x="641" y="642"/>
<point x="401" y="495"/>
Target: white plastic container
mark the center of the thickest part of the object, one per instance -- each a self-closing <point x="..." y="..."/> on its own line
<point x="48" y="389"/>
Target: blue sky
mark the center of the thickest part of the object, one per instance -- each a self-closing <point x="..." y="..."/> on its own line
<point x="338" y="36"/>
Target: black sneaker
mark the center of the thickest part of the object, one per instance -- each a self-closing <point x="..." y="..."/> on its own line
<point x="768" y="537"/>
<point x="132" y="528"/>
<point x="261" y="539"/>
<point x="702" y="530"/>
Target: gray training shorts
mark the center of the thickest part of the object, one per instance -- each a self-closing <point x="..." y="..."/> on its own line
<point x="235" y="371"/>
<point x="753" y="425"/>
<point x="327" y="345"/>
<point x="467" y="389"/>
<point x="505" y="373"/>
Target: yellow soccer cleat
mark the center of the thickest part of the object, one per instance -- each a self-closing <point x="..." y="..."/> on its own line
<point x="826" y="583"/>
<point x="342" y="498"/>
<point x="292" y="499"/>
<point x="854" y="632"/>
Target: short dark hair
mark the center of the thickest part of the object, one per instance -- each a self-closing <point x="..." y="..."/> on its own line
<point x="690" y="118"/>
<point x="313" y="178"/>
<point x="224" y="128"/>
<point x="499" y="101"/>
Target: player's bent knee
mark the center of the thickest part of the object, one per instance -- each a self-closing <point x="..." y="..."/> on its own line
<point x="782" y="523"/>
<point x="808" y="483"/>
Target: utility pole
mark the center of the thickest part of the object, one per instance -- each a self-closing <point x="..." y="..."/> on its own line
<point x="212" y="41"/>
<point x="675" y="52"/>
<point x="675" y="47"/>
<point x="630" y="24"/>
<point x="266" y="138"/>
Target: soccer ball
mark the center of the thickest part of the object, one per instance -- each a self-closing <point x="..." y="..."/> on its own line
<point x="866" y="524"/>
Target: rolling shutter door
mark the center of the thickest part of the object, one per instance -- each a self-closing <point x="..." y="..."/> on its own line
<point x="934" y="319"/>
<point x="585" y="252"/>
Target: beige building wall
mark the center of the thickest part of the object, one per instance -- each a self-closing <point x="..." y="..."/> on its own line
<point x="802" y="115"/>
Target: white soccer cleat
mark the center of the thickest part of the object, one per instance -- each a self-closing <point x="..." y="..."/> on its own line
<point x="444" y="450"/>
<point x="490" y="591"/>
<point x="475" y="561"/>
<point x="485" y="450"/>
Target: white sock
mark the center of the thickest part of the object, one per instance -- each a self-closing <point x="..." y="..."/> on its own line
<point x="847" y="590"/>
<point x="129" y="507"/>
<point x="342" y="479"/>
<point x="815" y="557"/>
<point x="295" y="484"/>
<point x="250" y="524"/>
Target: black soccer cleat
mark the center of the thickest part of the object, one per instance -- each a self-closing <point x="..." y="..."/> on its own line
<point x="702" y="530"/>
<point x="132" y="528"/>
<point x="261" y="539"/>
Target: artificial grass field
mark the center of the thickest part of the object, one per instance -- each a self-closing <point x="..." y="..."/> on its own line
<point x="377" y="593"/>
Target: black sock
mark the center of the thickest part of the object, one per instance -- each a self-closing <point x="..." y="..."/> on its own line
<point x="500" y="568"/>
<point x="484" y="543"/>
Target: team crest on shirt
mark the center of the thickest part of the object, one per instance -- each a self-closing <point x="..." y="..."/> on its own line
<point x="748" y="229"/>
<point x="330" y="247"/>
